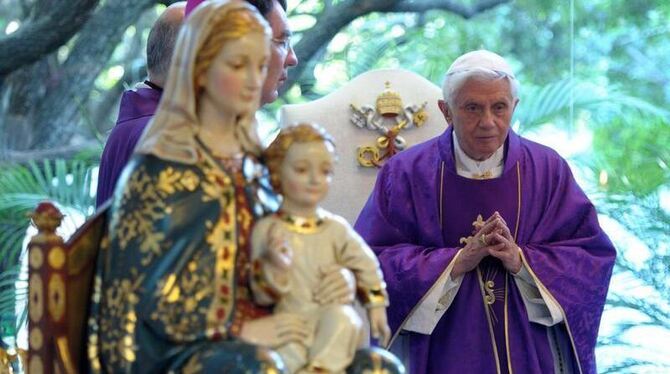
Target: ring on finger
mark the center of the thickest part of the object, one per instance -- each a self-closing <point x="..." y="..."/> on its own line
<point x="482" y="240"/>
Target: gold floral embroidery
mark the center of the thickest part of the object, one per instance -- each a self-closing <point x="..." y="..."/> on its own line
<point x="193" y="365"/>
<point x="191" y="301"/>
<point x="141" y="207"/>
<point x="217" y="185"/>
<point x="190" y="180"/>
<point x="179" y="298"/>
<point x="121" y="299"/>
<point x="171" y="181"/>
<point x="94" y="326"/>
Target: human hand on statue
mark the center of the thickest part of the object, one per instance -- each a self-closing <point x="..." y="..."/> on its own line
<point x="379" y="325"/>
<point x="477" y="247"/>
<point x="337" y="286"/>
<point x="275" y="330"/>
<point x="507" y="251"/>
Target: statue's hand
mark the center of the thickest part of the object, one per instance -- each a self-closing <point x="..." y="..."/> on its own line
<point x="279" y="253"/>
<point x="337" y="286"/>
<point x="379" y="325"/>
<point x="275" y="330"/>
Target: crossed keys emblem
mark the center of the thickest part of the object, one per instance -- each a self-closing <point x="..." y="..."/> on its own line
<point x="388" y="109"/>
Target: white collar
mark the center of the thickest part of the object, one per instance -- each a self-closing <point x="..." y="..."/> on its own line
<point x="492" y="167"/>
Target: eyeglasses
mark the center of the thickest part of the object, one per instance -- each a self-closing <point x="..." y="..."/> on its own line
<point x="283" y="42"/>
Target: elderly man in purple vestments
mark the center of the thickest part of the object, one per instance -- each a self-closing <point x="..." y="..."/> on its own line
<point x="493" y="255"/>
<point x="139" y="105"/>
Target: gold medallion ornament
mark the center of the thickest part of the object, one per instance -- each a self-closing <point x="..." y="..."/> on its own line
<point x="36" y="294"/>
<point x="36" y="338"/>
<point x="56" y="303"/>
<point x="35" y="365"/>
<point x="56" y="257"/>
<point x="388" y="108"/>
<point x="36" y="257"/>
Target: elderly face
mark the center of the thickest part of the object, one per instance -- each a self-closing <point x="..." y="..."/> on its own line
<point x="282" y="55"/>
<point x="481" y="115"/>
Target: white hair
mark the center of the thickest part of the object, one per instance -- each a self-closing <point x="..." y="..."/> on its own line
<point x="480" y="65"/>
<point x="454" y="82"/>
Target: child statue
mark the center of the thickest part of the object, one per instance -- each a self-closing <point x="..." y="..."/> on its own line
<point x="172" y="291"/>
<point x="291" y="246"/>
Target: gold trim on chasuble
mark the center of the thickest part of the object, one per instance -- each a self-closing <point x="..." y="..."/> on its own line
<point x="538" y="282"/>
<point x="487" y="287"/>
<point x="565" y="316"/>
<point x="488" y="319"/>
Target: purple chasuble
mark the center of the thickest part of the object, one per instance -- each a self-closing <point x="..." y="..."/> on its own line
<point x="136" y="109"/>
<point x="414" y="220"/>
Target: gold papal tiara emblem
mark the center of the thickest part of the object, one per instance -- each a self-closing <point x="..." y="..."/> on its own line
<point x="388" y="118"/>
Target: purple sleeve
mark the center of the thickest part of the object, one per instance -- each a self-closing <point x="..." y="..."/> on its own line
<point x="411" y="260"/>
<point x="569" y="253"/>
<point x="118" y="150"/>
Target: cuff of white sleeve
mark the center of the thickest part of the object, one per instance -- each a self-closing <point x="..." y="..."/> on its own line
<point x="435" y="302"/>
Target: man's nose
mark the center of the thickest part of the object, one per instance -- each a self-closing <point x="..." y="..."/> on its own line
<point x="488" y="118"/>
<point x="291" y="59"/>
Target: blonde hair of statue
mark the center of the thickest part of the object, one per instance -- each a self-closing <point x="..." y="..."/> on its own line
<point x="275" y="154"/>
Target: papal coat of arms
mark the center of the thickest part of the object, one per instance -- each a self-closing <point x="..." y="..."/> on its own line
<point x="388" y="118"/>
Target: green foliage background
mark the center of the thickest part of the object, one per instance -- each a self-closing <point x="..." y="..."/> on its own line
<point x="599" y="67"/>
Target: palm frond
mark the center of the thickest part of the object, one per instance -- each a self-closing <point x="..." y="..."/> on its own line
<point x="552" y="102"/>
<point x="22" y="187"/>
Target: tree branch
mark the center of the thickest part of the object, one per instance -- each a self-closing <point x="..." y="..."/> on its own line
<point x="95" y="44"/>
<point x="335" y="18"/>
<point x="66" y="152"/>
<point x="35" y="39"/>
<point x="457" y="8"/>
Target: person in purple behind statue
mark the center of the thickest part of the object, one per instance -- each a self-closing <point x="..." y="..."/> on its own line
<point x="493" y="255"/>
<point x="139" y="105"/>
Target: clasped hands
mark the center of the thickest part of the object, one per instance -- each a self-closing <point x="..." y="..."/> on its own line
<point x="492" y="238"/>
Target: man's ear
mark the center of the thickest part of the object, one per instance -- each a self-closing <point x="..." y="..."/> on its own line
<point x="444" y="108"/>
